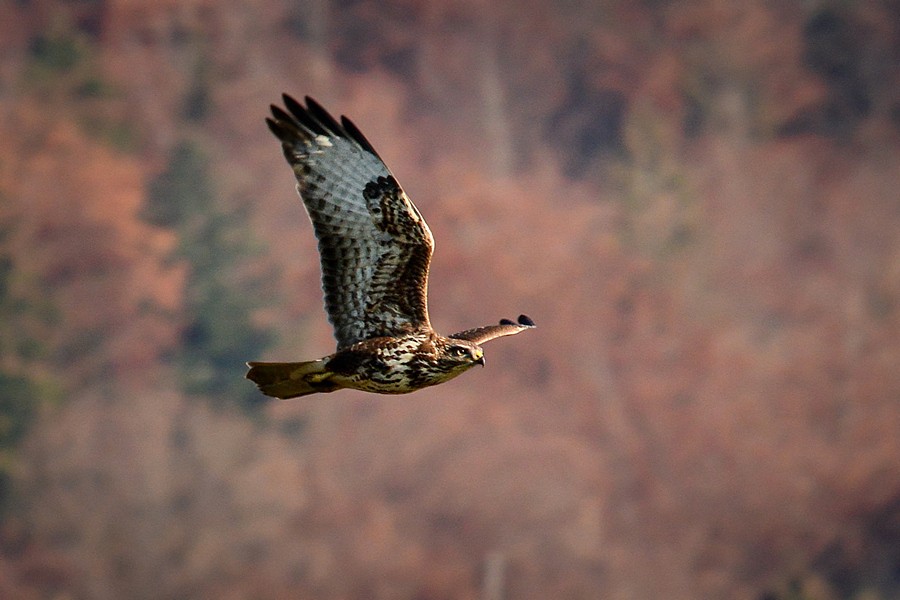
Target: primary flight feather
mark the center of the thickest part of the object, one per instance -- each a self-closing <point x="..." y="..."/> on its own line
<point x="375" y="249"/>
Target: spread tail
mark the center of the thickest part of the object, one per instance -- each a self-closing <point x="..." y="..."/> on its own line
<point x="291" y="380"/>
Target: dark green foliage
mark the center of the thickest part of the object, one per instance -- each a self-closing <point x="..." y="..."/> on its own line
<point x="182" y="188"/>
<point x="6" y="266"/>
<point x="217" y="336"/>
<point x="25" y="311"/>
<point x="835" y="51"/>
<point x="64" y="67"/>
<point x="59" y="53"/>
<point x="18" y="404"/>
<point x="94" y="87"/>
<point x="19" y="393"/>
<point x="217" y="341"/>
<point x="119" y="135"/>
<point x="20" y="398"/>
<point x="198" y="102"/>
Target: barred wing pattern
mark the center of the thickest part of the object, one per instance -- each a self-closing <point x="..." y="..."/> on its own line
<point x="374" y="245"/>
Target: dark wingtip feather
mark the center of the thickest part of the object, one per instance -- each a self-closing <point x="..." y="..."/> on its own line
<point x="274" y="127"/>
<point x="507" y="322"/>
<point x="322" y="116"/>
<point x="357" y="136"/>
<point x="319" y="121"/>
<point x="526" y="321"/>
<point x="302" y="115"/>
<point x="284" y="127"/>
<point x="279" y="114"/>
<point x="292" y="105"/>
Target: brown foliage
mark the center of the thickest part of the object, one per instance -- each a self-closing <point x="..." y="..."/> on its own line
<point x="708" y="407"/>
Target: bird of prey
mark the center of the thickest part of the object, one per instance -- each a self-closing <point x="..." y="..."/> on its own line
<point x="375" y="248"/>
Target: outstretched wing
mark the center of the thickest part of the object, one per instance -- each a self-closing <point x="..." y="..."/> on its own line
<point x="480" y="335"/>
<point x="374" y="245"/>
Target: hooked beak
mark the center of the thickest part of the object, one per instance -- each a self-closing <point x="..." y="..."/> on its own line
<point x="480" y="360"/>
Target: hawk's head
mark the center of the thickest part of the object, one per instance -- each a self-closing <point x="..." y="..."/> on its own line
<point x="452" y="357"/>
<point x="462" y="353"/>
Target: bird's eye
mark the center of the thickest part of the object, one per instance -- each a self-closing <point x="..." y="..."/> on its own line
<point x="458" y="351"/>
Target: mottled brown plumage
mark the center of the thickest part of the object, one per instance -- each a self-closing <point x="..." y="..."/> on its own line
<point x="375" y="249"/>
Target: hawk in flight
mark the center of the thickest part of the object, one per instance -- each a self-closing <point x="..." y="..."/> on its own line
<point x="375" y="248"/>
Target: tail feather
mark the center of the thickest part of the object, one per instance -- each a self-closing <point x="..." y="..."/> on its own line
<point x="291" y="380"/>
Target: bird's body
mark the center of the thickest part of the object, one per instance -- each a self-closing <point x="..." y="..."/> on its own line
<point x="386" y="365"/>
<point x="375" y="249"/>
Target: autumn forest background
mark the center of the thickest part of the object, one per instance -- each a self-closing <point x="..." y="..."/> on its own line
<point x="697" y="201"/>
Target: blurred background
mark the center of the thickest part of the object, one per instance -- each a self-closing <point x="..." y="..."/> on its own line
<point x="697" y="201"/>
